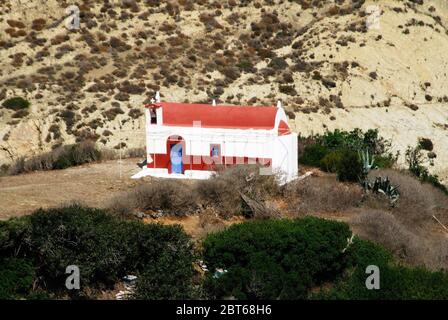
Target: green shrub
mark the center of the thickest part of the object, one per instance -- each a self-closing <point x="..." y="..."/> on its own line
<point x="383" y="161"/>
<point x="434" y="180"/>
<point x="278" y="63"/>
<point x="425" y="144"/>
<point x="331" y="161"/>
<point x="245" y="65"/>
<point x="171" y="278"/>
<point x="104" y="247"/>
<point x="355" y="140"/>
<point x="16" y="277"/>
<point x="313" y="154"/>
<point x="414" y="159"/>
<point x="328" y="149"/>
<point x="363" y="253"/>
<point x="16" y="103"/>
<point x="396" y="283"/>
<point x="77" y="154"/>
<point x="350" y="167"/>
<point x="275" y="259"/>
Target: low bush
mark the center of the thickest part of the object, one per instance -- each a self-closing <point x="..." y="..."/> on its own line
<point x="349" y="167"/>
<point x="223" y="191"/>
<point x="60" y="158"/>
<point x="425" y="144"/>
<point x="414" y="159"/>
<point x="172" y="278"/>
<point x="396" y="283"/>
<point x="384" y="228"/>
<point x="331" y="161"/>
<point x="75" y="155"/>
<point x="321" y="194"/>
<point x="22" y="113"/>
<point x="166" y="197"/>
<point x="278" y="63"/>
<point x="104" y="248"/>
<point x="313" y="154"/>
<point x="16" y="278"/>
<point x="275" y="259"/>
<point x="16" y="103"/>
<point x="383" y="161"/>
<point x="355" y="140"/>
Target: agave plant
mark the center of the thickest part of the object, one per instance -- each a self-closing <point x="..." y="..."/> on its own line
<point x="367" y="164"/>
<point x="367" y="161"/>
<point x="383" y="186"/>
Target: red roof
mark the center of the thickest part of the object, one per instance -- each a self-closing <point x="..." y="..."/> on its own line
<point x="236" y="117"/>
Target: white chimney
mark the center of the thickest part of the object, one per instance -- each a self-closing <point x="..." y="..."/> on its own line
<point x="158" y="97"/>
<point x="214" y="103"/>
<point x="279" y="104"/>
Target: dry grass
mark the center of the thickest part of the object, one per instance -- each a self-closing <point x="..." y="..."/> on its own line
<point x="164" y="197"/>
<point x="221" y="195"/>
<point x="410" y="245"/>
<point x="223" y="191"/>
<point x="418" y="201"/>
<point x="407" y="229"/>
<point x="384" y="228"/>
<point x="209" y="222"/>
<point x="321" y="194"/>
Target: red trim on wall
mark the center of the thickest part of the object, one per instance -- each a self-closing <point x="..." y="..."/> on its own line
<point x="204" y="163"/>
<point x="283" y="128"/>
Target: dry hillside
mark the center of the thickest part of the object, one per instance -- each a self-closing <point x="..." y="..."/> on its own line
<point x="330" y="65"/>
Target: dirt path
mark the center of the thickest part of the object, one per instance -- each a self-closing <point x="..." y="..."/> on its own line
<point x="92" y="184"/>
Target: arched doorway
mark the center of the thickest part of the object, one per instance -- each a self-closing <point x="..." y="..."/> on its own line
<point x="176" y="151"/>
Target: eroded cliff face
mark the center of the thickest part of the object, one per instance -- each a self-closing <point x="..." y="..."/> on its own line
<point x="335" y="64"/>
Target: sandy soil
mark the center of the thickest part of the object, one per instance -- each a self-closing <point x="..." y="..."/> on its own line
<point x="92" y="184"/>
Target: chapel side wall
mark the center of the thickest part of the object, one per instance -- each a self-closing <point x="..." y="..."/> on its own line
<point x="234" y="143"/>
<point x="285" y="156"/>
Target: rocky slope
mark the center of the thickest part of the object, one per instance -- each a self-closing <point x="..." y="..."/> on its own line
<point x="334" y="64"/>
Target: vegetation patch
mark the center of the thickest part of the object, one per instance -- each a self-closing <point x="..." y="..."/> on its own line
<point x="275" y="259"/>
<point x="340" y="152"/>
<point x="105" y="249"/>
<point x="16" y="103"/>
<point x="308" y="258"/>
<point x="60" y="158"/>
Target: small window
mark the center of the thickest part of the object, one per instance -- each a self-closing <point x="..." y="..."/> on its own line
<point x="215" y="150"/>
<point x="153" y="116"/>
